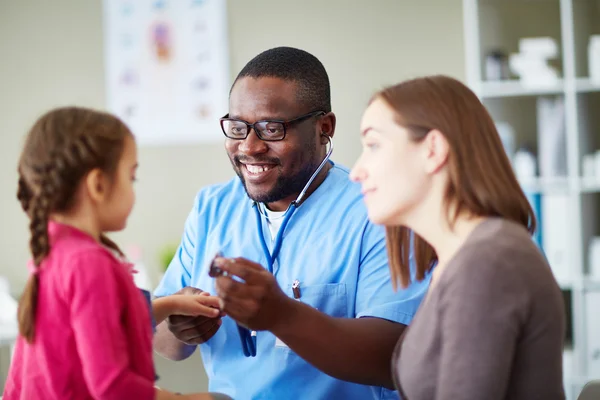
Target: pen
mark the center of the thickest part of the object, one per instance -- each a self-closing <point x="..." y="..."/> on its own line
<point x="296" y="289"/>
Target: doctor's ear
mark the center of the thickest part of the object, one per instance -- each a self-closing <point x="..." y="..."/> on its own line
<point x="325" y="138"/>
<point x="326" y="125"/>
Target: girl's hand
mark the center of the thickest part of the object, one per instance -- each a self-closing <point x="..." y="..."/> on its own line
<point x="186" y="305"/>
<point x="196" y="305"/>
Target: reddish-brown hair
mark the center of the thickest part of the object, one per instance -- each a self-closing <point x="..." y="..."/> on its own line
<point x="481" y="179"/>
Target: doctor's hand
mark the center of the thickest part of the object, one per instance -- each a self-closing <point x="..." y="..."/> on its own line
<point x="258" y="303"/>
<point x="193" y="330"/>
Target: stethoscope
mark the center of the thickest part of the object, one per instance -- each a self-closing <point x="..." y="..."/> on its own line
<point x="247" y="337"/>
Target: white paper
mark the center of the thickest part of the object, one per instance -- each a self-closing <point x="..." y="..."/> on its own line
<point x="551" y="137"/>
<point x="593" y="333"/>
<point x="555" y="239"/>
<point x="167" y="68"/>
<point x="8" y="314"/>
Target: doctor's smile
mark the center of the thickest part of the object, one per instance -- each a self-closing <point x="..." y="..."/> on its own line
<point x="257" y="172"/>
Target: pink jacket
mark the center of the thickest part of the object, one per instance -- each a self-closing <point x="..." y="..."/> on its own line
<point x="93" y="336"/>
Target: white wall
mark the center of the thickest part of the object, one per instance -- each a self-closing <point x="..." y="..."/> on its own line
<point x="51" y="54"/>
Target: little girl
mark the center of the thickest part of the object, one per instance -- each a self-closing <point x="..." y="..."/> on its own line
<point x="84" y="325"/>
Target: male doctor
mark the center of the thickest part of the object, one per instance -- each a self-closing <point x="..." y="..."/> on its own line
<point x="309" y="307"/>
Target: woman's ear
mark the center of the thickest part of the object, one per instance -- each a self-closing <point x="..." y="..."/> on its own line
<point x="437" y="150"/>
<point x="97" y="185"/>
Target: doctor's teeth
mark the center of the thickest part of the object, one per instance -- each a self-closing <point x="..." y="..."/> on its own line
<point x="255" y="169"/>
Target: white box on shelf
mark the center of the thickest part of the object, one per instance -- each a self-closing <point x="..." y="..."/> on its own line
<point x="594" y="59"/>
<point x="551" y="135"/>
<point x="555" y="237"/>
<point x="567" y="365"/>
<point x="542" y="47"/>
<point x="594" y="258"/>
<point x="532" y="71"/>
<point x="592" y="300"/>
<point x="531" y="63"/>
<point x="589" y="165"/>
<point x="507" y="136"/>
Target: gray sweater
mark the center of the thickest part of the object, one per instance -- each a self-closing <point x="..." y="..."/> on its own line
<point x="491" y="328"/>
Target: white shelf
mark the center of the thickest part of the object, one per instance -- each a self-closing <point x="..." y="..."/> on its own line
<point x="559" y="185"/>
<point x="585" y="85"/>
<point x="545" y="185"/>
<point x="565" y="284"/>
<point x="513" y="88"/>
<point x="579" y="283"/>
<point x="591" y="284"/>
<point x="590" y="185"/>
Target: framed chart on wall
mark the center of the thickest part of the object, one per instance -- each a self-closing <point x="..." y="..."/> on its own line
<point x="167" y="68"/>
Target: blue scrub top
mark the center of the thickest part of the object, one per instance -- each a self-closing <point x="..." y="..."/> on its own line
<point x="329" y="245"/>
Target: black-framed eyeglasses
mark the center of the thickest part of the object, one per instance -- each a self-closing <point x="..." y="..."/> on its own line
<point x="268" y="130"/>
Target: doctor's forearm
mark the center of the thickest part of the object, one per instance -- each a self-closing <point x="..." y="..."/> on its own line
<point x="355" y="350"/>
<point x="168" y="346"/>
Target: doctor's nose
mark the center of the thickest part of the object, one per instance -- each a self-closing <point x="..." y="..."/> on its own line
<point x="253" y="144"/>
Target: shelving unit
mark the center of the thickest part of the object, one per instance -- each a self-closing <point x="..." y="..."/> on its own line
<point x="541" y="185"/>
<point x="590" y="185"/>
<point x="584" y="85"/>
<point x="499" y="24"/>
<point x="515" y="88"/>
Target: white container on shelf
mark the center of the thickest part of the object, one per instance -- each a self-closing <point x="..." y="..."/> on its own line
<point x="589" y="165"/>
<point x="555" y="239"/>
<point x="531" y="63"/>
<point x="525" y="166"/>
<point x="552" y="137"/>
<point x="592" y="300"/>
<point x="543" y="47"/>
<point x="507" y="136"/>
<point x="594" y="258"/>
<point x="594" y="58"/>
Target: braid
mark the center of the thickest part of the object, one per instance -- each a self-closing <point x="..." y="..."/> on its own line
<point x="58" y="177"/>
<point x="27" y="308"/>
<point x="110" y="244"/>
<point x="41" y="206"/>
<point x="24" y="193"/>
<point x="39" y="244"/>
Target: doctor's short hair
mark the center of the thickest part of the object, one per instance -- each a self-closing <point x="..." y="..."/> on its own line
<point x="481" y="177"/>
<point x="296" y="65"/>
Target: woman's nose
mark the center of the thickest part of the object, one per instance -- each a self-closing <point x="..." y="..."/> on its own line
<point x="357" y="174"/>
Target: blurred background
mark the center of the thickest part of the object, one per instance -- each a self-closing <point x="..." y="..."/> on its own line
<point x="534" y="63"/>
